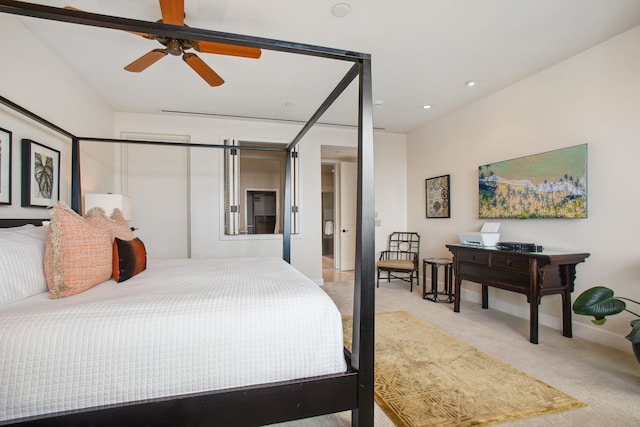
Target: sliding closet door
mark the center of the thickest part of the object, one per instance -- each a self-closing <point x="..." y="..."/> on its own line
<point x="157" y="180"/>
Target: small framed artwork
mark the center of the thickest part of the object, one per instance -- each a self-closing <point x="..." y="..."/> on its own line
<point x="40" y="175"/>
<point x="5" y="167"/>
<point x="437" y="191"/>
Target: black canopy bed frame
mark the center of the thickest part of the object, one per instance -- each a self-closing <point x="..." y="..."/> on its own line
<point x="263" y="403"/>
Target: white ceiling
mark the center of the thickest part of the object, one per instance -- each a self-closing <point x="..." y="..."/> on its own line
<point x="423" y="52"/>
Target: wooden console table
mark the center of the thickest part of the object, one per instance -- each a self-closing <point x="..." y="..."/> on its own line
<point x="533" y="274"/>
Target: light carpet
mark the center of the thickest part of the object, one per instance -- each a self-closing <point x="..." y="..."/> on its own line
<point x="426" y="377"/>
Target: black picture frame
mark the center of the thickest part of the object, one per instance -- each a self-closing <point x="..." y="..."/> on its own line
<point x="5" y="166"/>
<point x="437" y="190"/>
<point x="40" y="175"/>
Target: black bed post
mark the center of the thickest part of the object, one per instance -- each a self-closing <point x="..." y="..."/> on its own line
<point x="75" y="176"/>
<point x="286" y="232"/>
<point x="364" y="291"/>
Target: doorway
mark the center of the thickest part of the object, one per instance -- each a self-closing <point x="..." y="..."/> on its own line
<point x="262" y="211"/>
<point x="338" y="202"/>
<point x="328" y="220"/>
<point x="328" y="223"/>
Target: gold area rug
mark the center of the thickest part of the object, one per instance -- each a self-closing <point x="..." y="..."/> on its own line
<point x="426" y="377"/>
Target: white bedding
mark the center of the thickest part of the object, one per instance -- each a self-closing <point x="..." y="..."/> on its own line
<point x="181" y="326"/>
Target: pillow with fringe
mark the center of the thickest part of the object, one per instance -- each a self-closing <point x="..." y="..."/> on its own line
<point x="77" y="254"/>
<point x="117" y="226"/>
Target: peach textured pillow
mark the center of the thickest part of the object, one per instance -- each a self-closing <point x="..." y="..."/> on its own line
<point x="117" y="226"/>
<point x="77" y="254"/>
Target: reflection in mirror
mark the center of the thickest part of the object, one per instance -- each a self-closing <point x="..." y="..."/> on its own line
<point x="254" y="189"/>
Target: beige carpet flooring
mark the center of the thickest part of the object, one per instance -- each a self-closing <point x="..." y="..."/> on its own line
<point x="607" y="380"/>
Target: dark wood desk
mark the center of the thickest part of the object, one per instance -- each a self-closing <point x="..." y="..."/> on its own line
<point x="533" y="274"/>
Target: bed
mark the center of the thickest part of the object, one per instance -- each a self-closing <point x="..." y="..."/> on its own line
<point x="254" y="400"/>
<point x="181" y="326"/>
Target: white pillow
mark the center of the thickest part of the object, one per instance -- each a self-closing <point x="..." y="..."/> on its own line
<point x="19" y="228"/>
<point x="21" y="263"/>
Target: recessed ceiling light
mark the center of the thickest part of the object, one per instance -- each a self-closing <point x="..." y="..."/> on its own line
<point x="288" y="105"/>
<point x="470" y="83"/>
<point x="428" y="106"/>
<point x="378" y="103"/>
<point x="341" y="10"/>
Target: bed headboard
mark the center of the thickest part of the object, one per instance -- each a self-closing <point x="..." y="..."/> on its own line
<point x="6" y="223"/>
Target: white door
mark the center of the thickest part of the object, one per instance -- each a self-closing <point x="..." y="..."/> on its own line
<point x="347" y="231"/>
<point x="158" y="186"/>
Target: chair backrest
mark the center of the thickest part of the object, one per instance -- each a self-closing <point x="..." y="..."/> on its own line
<point x="405" y="242"/>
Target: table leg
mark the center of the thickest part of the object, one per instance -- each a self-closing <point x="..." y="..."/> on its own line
<point x="447" y="280"/>
<point x="567" y="278"/>
<point x="424" y="280"/>
<point x="566" y="313"/>
<point x="485" y="296"/>
<point x="534" y="300"/>
<point x="533" y="321"/>
<point x="434" y="281"/>
<point x="456" y="295"/>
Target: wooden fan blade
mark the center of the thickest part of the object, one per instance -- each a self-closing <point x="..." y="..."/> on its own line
<point x="146" y="60"/>
<point x="227" y="49"/>
<point x="200" y="67"/>
<point x="172" y="12"/>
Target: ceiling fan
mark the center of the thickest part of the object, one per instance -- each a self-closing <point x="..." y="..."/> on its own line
<point x="173" y="14"/>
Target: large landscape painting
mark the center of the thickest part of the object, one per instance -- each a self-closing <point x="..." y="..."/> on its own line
<point x="545" y="185"/>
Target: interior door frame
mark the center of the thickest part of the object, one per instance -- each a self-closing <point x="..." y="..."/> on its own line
<point x="336" y="214"/>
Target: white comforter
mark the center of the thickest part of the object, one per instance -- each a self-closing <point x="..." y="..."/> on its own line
<point x="181" y="326"/>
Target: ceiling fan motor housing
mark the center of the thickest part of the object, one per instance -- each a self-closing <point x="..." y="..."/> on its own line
<point x="174" y="47"/>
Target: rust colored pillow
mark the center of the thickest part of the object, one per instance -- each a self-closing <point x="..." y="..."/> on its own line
<point x="77" y="254"/>
<point x="129" y="258"/>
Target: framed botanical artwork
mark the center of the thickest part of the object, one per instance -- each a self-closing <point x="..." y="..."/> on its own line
<point x="5" y="167"/>
<point x="552" y="184"/>
<point x="40" y="174"/>
<point x="437" y="192"/>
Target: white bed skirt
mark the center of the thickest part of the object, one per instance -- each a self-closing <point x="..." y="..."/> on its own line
<point x="181" y="326"/>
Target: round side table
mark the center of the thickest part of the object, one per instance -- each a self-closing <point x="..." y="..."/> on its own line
<point x="434" y="295"/>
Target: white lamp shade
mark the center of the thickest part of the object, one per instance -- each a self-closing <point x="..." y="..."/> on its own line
<point x="109" y="202"/>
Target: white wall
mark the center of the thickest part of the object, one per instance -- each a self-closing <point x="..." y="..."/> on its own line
<point x="591" y="98"/>
<point x="207" y="233"/>
<point x="391" y="176"/>
<point x="33" y="78"/>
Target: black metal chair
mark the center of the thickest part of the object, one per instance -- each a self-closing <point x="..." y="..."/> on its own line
<point x="400" y="260"/>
